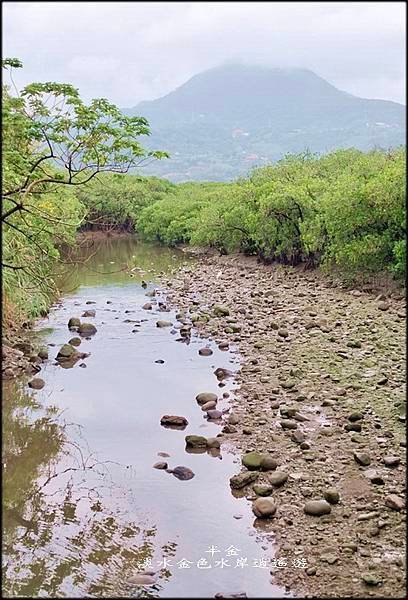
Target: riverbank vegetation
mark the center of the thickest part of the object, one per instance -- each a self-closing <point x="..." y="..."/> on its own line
<point x="345" y="210"/>
<point x="53" y="144"/>
<point x="68" y="166"/>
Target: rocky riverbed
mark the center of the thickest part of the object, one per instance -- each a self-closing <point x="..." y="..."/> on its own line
<point x="318" y="416"/>
<point x="321" y="404"/>
<point x="20" y="356"/>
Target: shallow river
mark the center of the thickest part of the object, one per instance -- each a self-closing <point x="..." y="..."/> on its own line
<point x="85" y="511"/>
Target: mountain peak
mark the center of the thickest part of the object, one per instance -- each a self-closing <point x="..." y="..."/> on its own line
<point x="219" y="88"/>
<point x="223" y="121"/>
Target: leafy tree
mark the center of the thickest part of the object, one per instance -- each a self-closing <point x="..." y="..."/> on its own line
<point x="52" y="143"/>
<point x="114" y="201"/>
<point x="344" y="211"/>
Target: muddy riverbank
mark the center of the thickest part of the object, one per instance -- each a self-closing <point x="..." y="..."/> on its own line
<point x="321" y="390"/>
<point x="317" y="384"/>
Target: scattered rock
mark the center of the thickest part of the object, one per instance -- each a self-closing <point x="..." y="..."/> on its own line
<point x="86" y="329"/>
<point x="353" y="427"/>
<point x="195" y="441"/>
<point x="220" y="311"/>
<point x="89" y="313"/>
<point x="147" y="306"/>
<point x="329" y="558"/>
<point x="353" y="344"/>
<point x="66" y="351"/>
<point x="262" y="489"/>
<point x="373" y="476"/>
<point x="213" y="443"/>
<point x="208" y="406"/>
<point x="223" y="373"/>
<point x="160" y="465"/>
<point x="355" y="416"/>
<point x="182" y="473"/>
<point x="278" y="478"/>
<point x="36" y="384"/>
<point x="73" y="323"/>
<point x="391" y="461"/>
<point x="288" y="385"/>
<point x="242" y="479"/>
<point x="205" y="352"/>
<point x="163" y="324"/>
<point x="288" y="424"/>
<point x="298" y="436"/>
<point x="223" y="345"/>
<point x="263" y="508"/>
<point x="252" y="461"/>
<point x="75" y="341"/>
<point x="317" y="508"/>
<point x="214" y="415"/>
<point x="233" y="419"/>
<point x="228" y="428"/>
<point x="362" y="458"/>
<point x="331" y="495"/>
<point x="268" y="463"/>
<point x="205" y="397"/>
<point x="174" y="421"/>
<point x="395" y="502"/>
<point x="371" y="579"/>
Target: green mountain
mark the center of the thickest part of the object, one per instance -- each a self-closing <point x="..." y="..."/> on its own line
<point x="224" y="121"/>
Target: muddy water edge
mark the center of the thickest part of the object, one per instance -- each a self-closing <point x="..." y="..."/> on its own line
<point x="85" y="512"/>
<point x="322" y="388"/>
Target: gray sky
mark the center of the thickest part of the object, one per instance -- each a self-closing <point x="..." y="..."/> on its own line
<point x="132" y="51"/>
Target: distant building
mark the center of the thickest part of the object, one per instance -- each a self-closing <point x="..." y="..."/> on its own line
<point x="239" y="133"/>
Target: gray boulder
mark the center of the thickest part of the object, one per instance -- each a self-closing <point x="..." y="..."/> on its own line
<point x="205" y="397"/>
<point x="86" y="329"/>
<point x="73" y="323"/>
<point x="174" y="421"/>
<point x="182" y="473"/>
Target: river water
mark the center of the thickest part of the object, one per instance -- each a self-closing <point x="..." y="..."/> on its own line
<point x="84" y="509"/>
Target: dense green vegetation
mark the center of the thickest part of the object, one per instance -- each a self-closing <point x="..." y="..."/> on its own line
<point x="53" y="143"/>
<point x="66" y="168"/>
<point x="115" y="201"/>
<point x="345" y="210"/>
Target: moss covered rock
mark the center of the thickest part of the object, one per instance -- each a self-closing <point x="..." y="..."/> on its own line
<point x="252" y="461"/>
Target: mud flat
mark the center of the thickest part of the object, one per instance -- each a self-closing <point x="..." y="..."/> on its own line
<point x="321" y="394"/>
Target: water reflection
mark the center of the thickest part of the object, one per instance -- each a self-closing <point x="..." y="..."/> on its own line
<point x="60" y="533"/>
<point x="121" y="260"/>
<point x="84" y="506"/>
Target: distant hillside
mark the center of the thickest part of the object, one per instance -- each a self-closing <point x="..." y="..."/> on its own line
<point x="224" y="121"/>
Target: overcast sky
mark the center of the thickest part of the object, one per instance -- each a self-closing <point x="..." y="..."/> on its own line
<point x="132" y="51"/>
